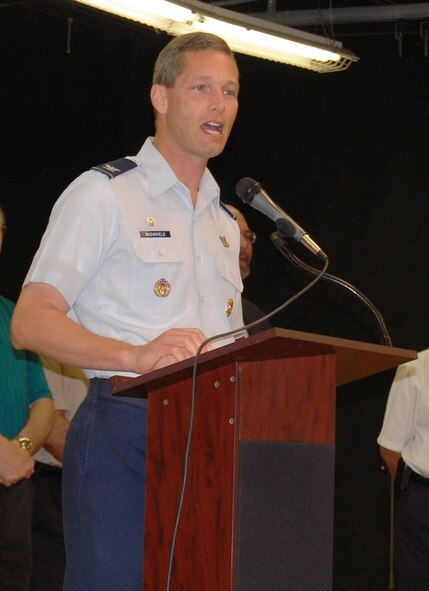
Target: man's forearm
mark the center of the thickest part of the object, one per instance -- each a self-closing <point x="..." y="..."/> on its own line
<point x="40" y="324"/>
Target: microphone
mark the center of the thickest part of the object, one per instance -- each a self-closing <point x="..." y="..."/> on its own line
<point x="251" y="192"/>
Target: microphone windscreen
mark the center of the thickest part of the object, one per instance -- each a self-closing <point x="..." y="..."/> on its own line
<point x="245" y="189"/>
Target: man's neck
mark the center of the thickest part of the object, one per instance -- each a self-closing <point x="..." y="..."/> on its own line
<point x="188" y="169"/>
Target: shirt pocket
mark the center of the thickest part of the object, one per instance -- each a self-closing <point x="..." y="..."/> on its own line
<point x="158" y="280"/>
<point x="158" y="250"/>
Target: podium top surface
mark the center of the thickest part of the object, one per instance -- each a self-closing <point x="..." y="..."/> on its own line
<point x="354" y="359"/>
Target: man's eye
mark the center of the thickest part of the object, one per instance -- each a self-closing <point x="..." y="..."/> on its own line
<point x="230" y="92"/>
<point x="199" y="87"/>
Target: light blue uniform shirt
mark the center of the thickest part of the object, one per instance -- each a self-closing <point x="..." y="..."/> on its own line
<point x="109" y="243"/>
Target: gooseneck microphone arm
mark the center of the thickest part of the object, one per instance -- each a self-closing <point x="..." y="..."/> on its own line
<point x="251" y="192"/>
<point x="281" y="244"/>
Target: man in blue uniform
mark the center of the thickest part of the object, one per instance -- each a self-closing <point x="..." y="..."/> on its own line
<point x="138" y="266"/>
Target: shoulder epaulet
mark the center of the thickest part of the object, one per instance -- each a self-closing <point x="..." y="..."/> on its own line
<point x="227" y="210"/>
<point x="116" y="167"/>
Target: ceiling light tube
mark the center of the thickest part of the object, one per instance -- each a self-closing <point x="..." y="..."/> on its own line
<point x="244" y="34"/>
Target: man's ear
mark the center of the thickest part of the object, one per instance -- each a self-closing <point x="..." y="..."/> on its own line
<point x="158" y="96"/>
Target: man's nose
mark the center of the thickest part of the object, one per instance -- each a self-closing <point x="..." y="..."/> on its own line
<point x="218" y="103"/>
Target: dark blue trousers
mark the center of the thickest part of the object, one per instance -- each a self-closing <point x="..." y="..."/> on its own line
<point x="412" y="533"/>
<point x="104" y="478"/>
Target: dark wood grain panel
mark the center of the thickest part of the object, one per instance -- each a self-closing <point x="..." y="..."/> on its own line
<point x="289" y="400"/>
<point x="203" y="550"/>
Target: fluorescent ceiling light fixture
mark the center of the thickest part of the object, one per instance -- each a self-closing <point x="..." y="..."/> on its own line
<point x="244" y="34"/>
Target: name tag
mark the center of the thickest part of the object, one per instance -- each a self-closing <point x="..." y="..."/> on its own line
<point x="155" y="234"/>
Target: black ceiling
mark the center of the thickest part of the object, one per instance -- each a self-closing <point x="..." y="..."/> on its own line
<point x="374" y="22"/>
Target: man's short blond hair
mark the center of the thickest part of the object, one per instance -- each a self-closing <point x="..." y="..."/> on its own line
<point x="170" y="62"/>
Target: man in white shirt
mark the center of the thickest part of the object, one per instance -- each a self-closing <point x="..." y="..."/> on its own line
<point x="404" y="447"/>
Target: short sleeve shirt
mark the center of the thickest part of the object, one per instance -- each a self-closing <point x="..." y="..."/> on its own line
<point x="406" y="420"/>
<point x="133" y="257"/>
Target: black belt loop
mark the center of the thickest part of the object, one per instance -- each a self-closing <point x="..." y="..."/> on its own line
<point x="419" y="478"/>
<point x="405" y="477"/>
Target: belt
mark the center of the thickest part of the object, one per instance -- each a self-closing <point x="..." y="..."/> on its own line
<point x="48" y="471"/>
<point x="419" y="478"/>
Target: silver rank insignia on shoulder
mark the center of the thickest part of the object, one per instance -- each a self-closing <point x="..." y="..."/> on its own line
<point x="229" y="307"/>
<point x="162" y="288"/>
<point x="151" y="221"/>
<point x="110" y="168"/>
<point x="224" y="241"/>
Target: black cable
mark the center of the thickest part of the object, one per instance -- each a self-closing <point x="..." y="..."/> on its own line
<point x="281" y="244"/>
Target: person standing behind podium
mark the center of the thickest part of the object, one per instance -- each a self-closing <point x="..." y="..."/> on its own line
<point x="404" y="447"/>
<point x="68" y="386"/>
<point x="26" y="417"/>
<point x="251" y="312"/>
<point x="138" y="265"/>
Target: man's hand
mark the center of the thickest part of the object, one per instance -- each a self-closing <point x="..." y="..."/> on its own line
<point x="176" y="344"/>
<point x="391" y="459"/>
<point x="15" y="463"/>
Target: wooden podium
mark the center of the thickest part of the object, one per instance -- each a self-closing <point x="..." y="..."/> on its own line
<point x="258" y="510"/>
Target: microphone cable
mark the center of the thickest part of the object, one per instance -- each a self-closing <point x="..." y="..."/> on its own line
<point x="281" y="244"/>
